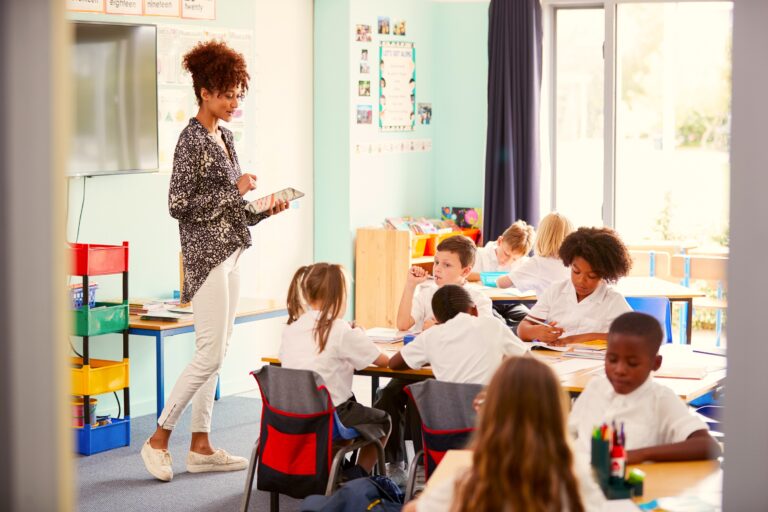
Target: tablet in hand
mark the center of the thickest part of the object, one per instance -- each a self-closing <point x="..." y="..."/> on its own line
<point x="266" y="203"/>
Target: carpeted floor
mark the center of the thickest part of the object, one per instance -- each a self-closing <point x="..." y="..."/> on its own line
<point x="116" y="480"/>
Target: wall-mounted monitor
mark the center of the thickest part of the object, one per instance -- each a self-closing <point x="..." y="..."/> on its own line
<point x="114" y="87"/>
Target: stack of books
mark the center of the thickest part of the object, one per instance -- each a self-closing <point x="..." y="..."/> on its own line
<point x="594" y="349"/>
<point x="384" y="335"/>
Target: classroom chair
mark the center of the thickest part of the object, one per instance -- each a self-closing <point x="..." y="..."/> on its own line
<point x="447" y="421"/>
<point x="658" y="307"/>
<point x="714" y="269"/>
<point x="292" y="454"/>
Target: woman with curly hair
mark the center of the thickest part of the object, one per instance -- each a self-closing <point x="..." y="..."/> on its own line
<point x="582" y="308"/>
<point x="206" y="197"/>
<point x="521" y="460"/>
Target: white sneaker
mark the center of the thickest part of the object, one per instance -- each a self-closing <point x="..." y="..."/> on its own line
<point x="397" y="473"/>
<point x="158" y="462"/>
<point x="219" y="460"/>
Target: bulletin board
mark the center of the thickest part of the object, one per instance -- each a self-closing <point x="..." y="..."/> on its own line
<point x="397" y="86"/>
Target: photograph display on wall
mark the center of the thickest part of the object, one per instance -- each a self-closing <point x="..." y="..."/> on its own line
<point x="363" y="33"/>
<point x="397" y="86"/>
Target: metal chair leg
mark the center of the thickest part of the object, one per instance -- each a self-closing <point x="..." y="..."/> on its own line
<point x="274" y="502"/>
<point x="249" y="478"/>
<point x="412" y="469"/>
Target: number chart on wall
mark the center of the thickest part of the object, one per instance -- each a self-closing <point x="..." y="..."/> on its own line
<point x="397" y="86"/>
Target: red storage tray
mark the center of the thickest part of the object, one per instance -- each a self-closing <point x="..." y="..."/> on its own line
<point x="96" y="259"/>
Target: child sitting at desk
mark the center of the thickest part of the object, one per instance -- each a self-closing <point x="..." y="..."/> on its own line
<point x="462" y="347"/>
<point x="508" y="251"/>
<point x="454" y="258"/>
<point x="581" y="308"/>
<point x="317" y="339"/>
<point x="521" y="455"/>
<point x="545" y="267"/>
<point x="657" y="424"/>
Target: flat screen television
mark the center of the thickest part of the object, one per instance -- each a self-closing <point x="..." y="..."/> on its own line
<point x="114" y="84"/>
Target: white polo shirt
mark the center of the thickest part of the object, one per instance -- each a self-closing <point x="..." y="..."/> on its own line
<point x="421" y="308"/>
<point x="487" y="261"/>
<point x="538" y="273"/>
<point x="652" y="414"/>
<point x="593" y="314"/>
<point x="465" y="349"/>
<point x="347" y="350"/>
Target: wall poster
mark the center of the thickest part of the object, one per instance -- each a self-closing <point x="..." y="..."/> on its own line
<point x="397" y="86"/>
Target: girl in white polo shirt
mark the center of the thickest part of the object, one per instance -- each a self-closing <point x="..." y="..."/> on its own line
<point x="318" y="339"/>
<point x="582" y="308"/>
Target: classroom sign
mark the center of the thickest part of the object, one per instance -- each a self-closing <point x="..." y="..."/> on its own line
<point x="397" y="86"/>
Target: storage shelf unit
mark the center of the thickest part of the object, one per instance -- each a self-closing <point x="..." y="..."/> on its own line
<point x="97" y="376"/>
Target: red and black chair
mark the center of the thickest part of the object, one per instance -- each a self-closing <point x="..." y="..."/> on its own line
<point x="447" y="422"/>
<point x="293" y="454"/>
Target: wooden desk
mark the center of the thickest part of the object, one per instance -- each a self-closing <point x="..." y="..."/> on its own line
<point x="248" y="310"/>
<point x="575" y="382"/>
<point x="629" y="287"/>
<point x="703" y="479"/>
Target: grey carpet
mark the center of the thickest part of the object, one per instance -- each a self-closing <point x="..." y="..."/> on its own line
<point x="117" y="480"/>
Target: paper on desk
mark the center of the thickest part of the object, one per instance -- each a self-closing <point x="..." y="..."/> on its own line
<point x="514" y="292"/>
<point x="556" y="348"/>
<point x="567" y="367"/>
<point x="619" y="506"/>
<point x="679" y="372"/>
<point x="384" y="334"/>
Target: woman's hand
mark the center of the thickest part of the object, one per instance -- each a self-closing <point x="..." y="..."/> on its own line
<point x="278" y="207"/>
<point x="246" y="183"/>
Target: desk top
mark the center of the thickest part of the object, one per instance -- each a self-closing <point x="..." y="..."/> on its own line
<point x="575" y="373"/>
<point x="703" y="479"/>
<point x="628" y="286"/>
<point x="245" y="307"/>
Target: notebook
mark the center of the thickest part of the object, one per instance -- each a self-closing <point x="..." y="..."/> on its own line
<point x="266" y="203"/>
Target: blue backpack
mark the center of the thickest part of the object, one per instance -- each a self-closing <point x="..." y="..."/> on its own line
<point x="374" y="494"/>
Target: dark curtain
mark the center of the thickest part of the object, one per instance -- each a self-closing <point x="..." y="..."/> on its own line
<point x="512" y="142"/>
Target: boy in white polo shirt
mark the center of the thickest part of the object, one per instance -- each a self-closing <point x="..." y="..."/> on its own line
<point x="506" y="252"/>
<point x="454" y="258"/>
<point x="582" y="308"/>
<point x="656" y="422"/>
<point x="462" y="347"/>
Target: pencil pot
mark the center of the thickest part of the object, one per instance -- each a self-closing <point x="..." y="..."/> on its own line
<point x="78" y="413"/>
<point x="601" y="460"/>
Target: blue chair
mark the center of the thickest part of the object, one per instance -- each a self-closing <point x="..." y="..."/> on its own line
<point x="657" y="307"/>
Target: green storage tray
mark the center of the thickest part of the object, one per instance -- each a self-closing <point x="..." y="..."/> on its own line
<point x="102" y="319"/>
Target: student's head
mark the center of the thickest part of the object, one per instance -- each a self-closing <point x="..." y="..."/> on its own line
<point x="515" y="242"/>
<point x="521" y="459"/>
<point x="454" y="258"/>
<point x="594" y="255"/>
<point x="219" y="77"/>
<point x="321" y="287"/>
<point x="552" y="230"/>
<point x="633" y="351"/>
<point x="450" y="300"/>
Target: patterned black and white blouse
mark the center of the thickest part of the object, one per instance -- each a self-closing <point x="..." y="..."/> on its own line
<point x="203" y="197"/>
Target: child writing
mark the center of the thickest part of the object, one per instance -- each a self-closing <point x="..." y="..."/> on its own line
<point x="521" y="456"/>
<point x="508" y="251"/>
<point x="581" y="308"/>
<point x="656" y="423"/>
<point x="317" y="339"/>
<point x="454" y="258"/>
<point x="545" y="267"/>
<point x="462" y="347"/>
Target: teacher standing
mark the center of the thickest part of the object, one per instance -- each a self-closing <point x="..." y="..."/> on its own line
<point x="206" y="197"/>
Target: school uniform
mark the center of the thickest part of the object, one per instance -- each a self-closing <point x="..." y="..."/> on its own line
<point x="487" y="261"/>
<point x="593" y="314"/>
<point x="466" y="349"/>
<point x="652" y="414"/>
<point x="440" y="498"/>
<point x="421" y="307"/>
<point x="347" y="350"/>
<point x="538" y="273"/>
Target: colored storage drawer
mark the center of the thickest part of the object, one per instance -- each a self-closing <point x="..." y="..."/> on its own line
<point x="101" y="376"/>
<point x="96" y="259"/>
<point x="104" y="318"/>
<point x="90" y="440"/>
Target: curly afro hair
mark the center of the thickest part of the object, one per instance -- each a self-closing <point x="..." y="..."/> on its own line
<point x="601" y="248"/>
<point x="215" y="67"/>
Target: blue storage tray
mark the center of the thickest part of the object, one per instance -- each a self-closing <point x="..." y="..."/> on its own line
<point x="489" y="278"/>
<point x="90" y="440"/>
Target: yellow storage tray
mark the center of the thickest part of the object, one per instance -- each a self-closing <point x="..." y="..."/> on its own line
<point x="101" y="376"/>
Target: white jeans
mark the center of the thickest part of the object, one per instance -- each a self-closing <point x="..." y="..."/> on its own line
<point x="214" y="307"/>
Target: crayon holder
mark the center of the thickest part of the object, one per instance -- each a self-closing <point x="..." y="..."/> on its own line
<point x="613" y="488"/>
